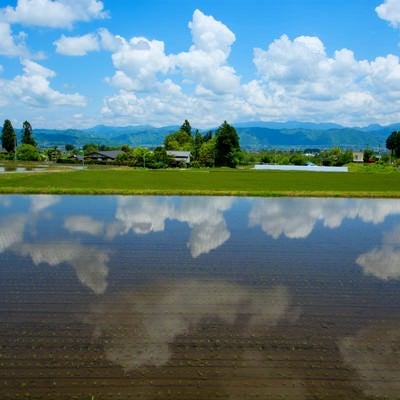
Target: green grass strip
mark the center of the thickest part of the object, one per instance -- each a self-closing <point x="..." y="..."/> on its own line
<point x="204" y="182"/>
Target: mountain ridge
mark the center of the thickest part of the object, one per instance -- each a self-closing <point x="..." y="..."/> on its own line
<point x="253" y="135"/>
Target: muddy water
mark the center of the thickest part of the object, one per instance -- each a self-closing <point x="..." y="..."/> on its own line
<point x="199" y="298"/>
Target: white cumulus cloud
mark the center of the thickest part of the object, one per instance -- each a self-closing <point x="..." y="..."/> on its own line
<point x="33" y="88"/>
<point x="11" y="45"/>
<point x="389" y="11"/>
<point x="77" y="45"/>
<point x="53" y="13"/>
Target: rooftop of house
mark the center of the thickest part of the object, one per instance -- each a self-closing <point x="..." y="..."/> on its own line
<point x="107" y="153"/>
<point x="178" y="153"/>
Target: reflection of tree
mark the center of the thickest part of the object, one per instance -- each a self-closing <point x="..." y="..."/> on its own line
<point x="142" y="325"/>
<point x="295" y="218"/>
<point x="374" y="353"/>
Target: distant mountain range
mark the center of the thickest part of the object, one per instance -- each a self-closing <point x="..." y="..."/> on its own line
<point x="253" y="135"/>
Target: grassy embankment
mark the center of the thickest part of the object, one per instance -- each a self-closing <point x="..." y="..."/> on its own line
<point x="204" y="182"/>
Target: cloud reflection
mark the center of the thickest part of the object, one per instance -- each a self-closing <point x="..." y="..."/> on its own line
<point x="143" y="324"/>
<point x="83" y="224"/>
<point x="204" y="215"/>
<point x="42" y="201"/>
<point x="90" y="263"/>
<point x="374" y="354"/>
<point x="11" y="231"/>
<point x="383" y="262"/>
<point x="296" y="218"/>
<point x="5" y="201"/>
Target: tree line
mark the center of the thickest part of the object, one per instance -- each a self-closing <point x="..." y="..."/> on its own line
<point x="27" y="150"/>
<point x="208" y="149"/>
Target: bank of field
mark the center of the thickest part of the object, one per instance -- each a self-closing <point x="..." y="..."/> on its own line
<point x="204" y="182"/>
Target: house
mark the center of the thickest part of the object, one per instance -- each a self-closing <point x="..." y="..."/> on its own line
<point x="179" y="156"/>
<point x="3" y="150"/>
<point x="358" y="156"/>
<point x="110" y="155"/>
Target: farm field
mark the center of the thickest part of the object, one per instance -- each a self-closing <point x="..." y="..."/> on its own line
<point x="204" y="182"/>
<point x="127" y="297"/>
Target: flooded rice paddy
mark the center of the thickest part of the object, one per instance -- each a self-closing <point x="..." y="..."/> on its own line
<point x="199" y="298"/>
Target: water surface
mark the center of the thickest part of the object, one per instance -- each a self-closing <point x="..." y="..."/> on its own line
<point x="121" y="297"/>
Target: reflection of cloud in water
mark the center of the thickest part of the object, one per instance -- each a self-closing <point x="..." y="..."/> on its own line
<point x="207" y="236"/>
<point x="83" y="224"/>
<point x="151" y="319"/>
<point x="383" y="262"/>
<point x="90" y="263"/>
<point x="141" y="215"/>
<point x="43" y="201"/>
<point x="374" y="354"/>
<point x="5" y="201"/>
<point x="295" y="218"/>
<point x="204" y="216"/>
<point x="11" y="231"/>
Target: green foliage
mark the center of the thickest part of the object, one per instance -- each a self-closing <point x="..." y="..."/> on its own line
<point x="207" y="153"/>
<point x="180" y="140"/>
<point x="368" y="155"/>
<point x="8" y="137"/>
<point x="227" y="147"/>
<point x="297" y="159"/>
<point x="161" y="159"/>
<point x="27" y="152"/>
<point x="90" y="148"/>
<point x="345" y="157"/>
<point x="186" y="127"/>
<point x="27" y="136"/>
<point x="336" y="157"/>
<point x="393" y="143"/>
<point x="54" y="154"/>
<point x="69" y="147"/>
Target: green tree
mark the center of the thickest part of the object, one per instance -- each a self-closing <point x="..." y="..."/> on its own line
<point x="345" y="157"/>
<point x="179" y="140"/>
<point x="69" y="147"/>
<point x="297" y="159"/>
<point x="227" y="146"/>
<point x="392" y="143"/>
<point x="367" y="155"/>
<point x="27" y="152"/>
<point x="197" y="142"/>
<point x="207" y="153"/>
<point x="8" y="137"/>
<point x="27" y="136"/>
<point x="161" y="157"/>
<point x="185" y="127"/>
<point x="90" y="148"/>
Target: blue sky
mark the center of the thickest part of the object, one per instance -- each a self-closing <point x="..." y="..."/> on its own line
<point x="80" y="63"/>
